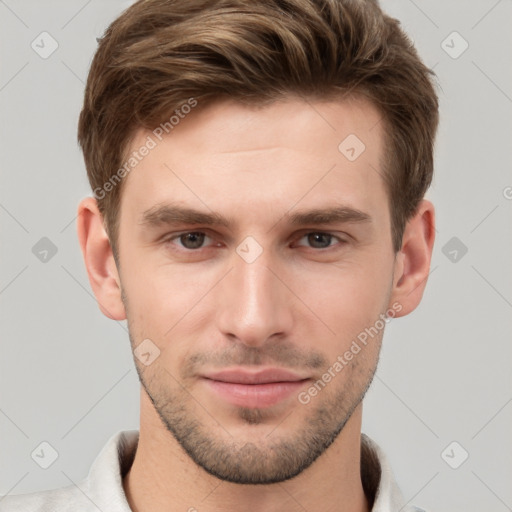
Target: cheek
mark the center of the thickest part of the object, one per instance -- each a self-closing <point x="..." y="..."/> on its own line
<point x="165" y="300"/>
<point x="347" y="298"/>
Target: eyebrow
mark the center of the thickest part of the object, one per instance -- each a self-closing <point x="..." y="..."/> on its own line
<point x="167" y="214"/>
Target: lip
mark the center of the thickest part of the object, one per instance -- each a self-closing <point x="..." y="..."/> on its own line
<point x="254" y="389"/>
<point x="266" y="376"/>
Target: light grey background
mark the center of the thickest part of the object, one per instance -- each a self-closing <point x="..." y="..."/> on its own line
<point x="67" y="374"/>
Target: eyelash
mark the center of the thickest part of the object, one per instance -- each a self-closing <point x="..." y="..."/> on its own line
<point x="177" y="236"/>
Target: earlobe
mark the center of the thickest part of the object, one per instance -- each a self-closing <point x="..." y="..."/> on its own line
<point x="99" y="260"/>
<point x="412" y="264"/>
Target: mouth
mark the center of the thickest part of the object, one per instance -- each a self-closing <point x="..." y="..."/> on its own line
<point x="254" y="389"/>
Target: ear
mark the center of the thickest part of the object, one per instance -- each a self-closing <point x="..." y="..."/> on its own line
<point x="412" y="262"/>
<point x="99" y="260"/>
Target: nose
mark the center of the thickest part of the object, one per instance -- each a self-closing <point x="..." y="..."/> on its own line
<point x="253" y="303"/>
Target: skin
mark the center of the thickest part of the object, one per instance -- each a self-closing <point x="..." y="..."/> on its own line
<point x="298" y="305"/>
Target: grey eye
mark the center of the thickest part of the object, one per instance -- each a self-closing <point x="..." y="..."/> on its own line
<point x="192" y="240"/>
<point x="319" y="240"/>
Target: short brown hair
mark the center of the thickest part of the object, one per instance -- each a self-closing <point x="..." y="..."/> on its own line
<point x="160" y="53"/>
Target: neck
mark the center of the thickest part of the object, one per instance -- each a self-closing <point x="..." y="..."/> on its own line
<point x="164" y="478"/>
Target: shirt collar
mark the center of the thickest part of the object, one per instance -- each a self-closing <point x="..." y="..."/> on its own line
<point x="105" y="479"/>
<point x="378" y="480"/>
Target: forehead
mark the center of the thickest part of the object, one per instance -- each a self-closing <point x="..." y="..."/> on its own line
<point x="228" y="155"/>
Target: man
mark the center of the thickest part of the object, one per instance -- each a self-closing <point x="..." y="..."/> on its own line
<point x="259" y="171"/>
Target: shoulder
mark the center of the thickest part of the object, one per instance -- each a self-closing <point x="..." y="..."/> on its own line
<point x="102" y="489"/>
<point x="65" y="499"/>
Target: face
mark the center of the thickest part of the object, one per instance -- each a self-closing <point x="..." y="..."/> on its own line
<point x="253" y="256"/>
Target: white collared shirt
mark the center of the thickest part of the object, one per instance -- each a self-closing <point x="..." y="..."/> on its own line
<point x="102" y="489"/>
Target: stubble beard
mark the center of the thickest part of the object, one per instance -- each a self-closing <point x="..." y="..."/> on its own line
<point x="273" y="459"/>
